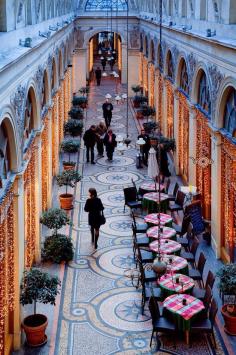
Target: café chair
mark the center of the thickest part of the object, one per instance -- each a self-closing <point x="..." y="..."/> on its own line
<point x="139" y="227"/>
<point x="131" y="200"/>
<point x="172" y="197"/>
<point x="190" y="256"/>
<point x="201" y="292"/>
<point x="139" y="196"/>
<point x="200" y="225"/>
<point x="183" y="233"/>
<point x="178" y="202"/>
<point x="197" y="274"/>
<point x="167" y="186"/>
<point x="160" y="323"/>
<point x="206" y="325"/>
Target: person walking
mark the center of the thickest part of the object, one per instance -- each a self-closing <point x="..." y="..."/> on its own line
<point x="104" y="62"/>
<point x="98" y="74"/>
<point x="100" y="131"/>
<point x="95" y="208"/>
<point x="145" y="148"/>
<point x="90" y="139"/>
<point x="110" y="143"/>
<point x="107" y="108"/>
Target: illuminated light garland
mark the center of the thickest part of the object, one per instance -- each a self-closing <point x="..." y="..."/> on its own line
<point x="45" y="164"/>
<point x="141" y="68"/>
<point x="203" y="159"/>
<point x="152" y="85"/>
<point x="30" y="208"/>
<point x="170" y="109"/>
<point x="145" y="75"/>
<point x="61" y="114"/>
<point x="183" y="137"/>
<point x="160" y="83"/>
<point x="55" y="135"/>
<point x="228" y="195"/>
<point x="7" y="265"/>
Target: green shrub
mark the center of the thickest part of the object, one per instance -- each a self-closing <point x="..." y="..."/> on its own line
<point x="54" y="218"/>
<point x="73" y="127"/>
<point x="58" y="248"/>
<point x="76" y="113"/>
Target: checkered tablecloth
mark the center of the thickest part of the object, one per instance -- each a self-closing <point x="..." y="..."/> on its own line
<point x="174" y="304"/>
<point x="152" y="218"/>
<point x="167" y="233"/>
<point x="154" y="196"/>
<point x="166" y="247"/>
<point x="176" y="264"/>
<point x="151" y="187"/>
<point x="169" y="283"/>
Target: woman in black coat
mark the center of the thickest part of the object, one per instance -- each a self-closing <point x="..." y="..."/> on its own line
<point x="94" y="207"/>
<point x="110" y="143"/>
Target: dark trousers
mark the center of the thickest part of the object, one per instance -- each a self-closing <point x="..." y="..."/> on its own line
<point x="90" y="149"/>
<point x="100" y="147"/>
<point x="110" y="152"/>
<point x="94" y="236"/>
<point x="107" y="119"/>
<point x="98" y="81"/>
<point x="103" y="67"/>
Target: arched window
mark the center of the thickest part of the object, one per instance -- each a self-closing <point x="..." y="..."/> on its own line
<point x="4" y="155"/>
<point x="204" y="99"/>
<point x="106" y="5"/>
<point x="170" y="67"/>
<point x="184" y="84"/>
<point x="230" y="113"/>
<point x="43" y="94"/>
<point x="28" y="122"/>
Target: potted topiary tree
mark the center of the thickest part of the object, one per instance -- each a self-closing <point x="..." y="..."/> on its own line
<point x="70" y="146"/>
<point x="227" y="286"/>
<point x="73" y="127"/>
<point x="80" y="101"/>
<point x="37" y="287"/>
<point x="76" y="113"/>
<point x="148" y="111"/>
<point x="138" y="100"/>
<point x="57" y="247"/>
<point x="67" y="178"/>
<point x="136" y="88"/>
<point x="84" y="90"/>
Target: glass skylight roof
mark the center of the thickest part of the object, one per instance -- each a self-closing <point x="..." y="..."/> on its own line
<point x="106" y="5"/>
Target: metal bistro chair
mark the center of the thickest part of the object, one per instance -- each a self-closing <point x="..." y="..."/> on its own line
<point x="183" y="233"/>
<point x="172" y="197"/>
<point x="190" y="256"/>
<point x="201" y="292"/>
<point x="178" y="203"/>
<point x="159" y="323"/>
<point x="131" y="200"/>
<point x="197" y="274"/>
<point x="206" y="325"/>
<point x="139" y="196"/>
<point x="199" y="224"/>
<point x="139" y="227"/>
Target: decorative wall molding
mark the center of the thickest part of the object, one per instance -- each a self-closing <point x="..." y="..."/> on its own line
<point x="216" y="78"/>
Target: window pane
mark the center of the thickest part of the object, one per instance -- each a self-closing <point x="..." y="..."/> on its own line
<point x="106" y="5"/>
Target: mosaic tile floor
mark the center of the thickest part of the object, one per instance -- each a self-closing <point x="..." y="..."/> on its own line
<point x="100" y="310"/>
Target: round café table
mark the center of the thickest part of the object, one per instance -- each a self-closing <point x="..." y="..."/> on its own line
<point x="151" y="202"/>
<point x="175" y="283"/>
<point x="153" y="218"/>
<point x="150" y="187"/>
<point x="183" y="311"/>
<point x="167" y="233"/>
<point x="176" y="264"/>
<point x="166" y="247"/>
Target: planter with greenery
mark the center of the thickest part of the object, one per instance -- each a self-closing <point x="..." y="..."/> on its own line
<point x="73" y="127"/>
<point x="80" y="101"/>
<point x="37" y="287"/>
<point x="136" y="88"/>
<point x="76" y="113"/>
<point x="57" y="247"/>
<point x="227" y="286"/>
<point x="67" y="178"/>
<point x="139" y="100"/>
<point x="148" y="111"/>
<point x="149" y="126"/>
<point x="84" y="90"/>
<point x="70" y="146"/>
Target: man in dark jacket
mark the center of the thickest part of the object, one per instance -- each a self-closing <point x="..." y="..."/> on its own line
<point x="145" y="148"/>
<point x="104" y="62"/>
<point x="98" y="74"/>
<point x="90" y="138"/>
<point x="107" y="108"/>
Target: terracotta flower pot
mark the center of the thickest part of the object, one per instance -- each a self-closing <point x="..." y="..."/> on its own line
<point x="66" y="201"/>
<point x="230" y="320"/>
<point x="68" y="166"/>
<point x="34" y="327"/>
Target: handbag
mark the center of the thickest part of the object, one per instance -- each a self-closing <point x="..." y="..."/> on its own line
<point x="102" y="218"/>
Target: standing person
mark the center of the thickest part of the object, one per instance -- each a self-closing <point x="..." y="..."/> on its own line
<point x="164" y="170"/>
<point x="100" y="131"/>
<point x="104" y="62"/>
<point x="110" y="143"/>
<point x="107" y="108"/>
<point x="89" y="141"/>
<point x="98" y="74"/>
<point x="112" y="62"/>
<point x="94" y="207"/>
<point x="145" y="148"/>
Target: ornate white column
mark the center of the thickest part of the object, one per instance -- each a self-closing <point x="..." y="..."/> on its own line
<point x="192" y="144"/>
<point x="164" y="110"/>
<point x="156" y="92"/>
<point x="134" y="59"/>
<point x="79" y="69"/>
<point x="124" y="63"/>
<point x="216" y="192"/>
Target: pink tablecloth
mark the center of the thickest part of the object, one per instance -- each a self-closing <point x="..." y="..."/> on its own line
<point x="153" y="218"/>
<point x="166" y="234"/>
<point x="154" y="196"/>
<point x="174" y="303"/>
<point x="166" y="246"/>
<point x="176" y="264"/>
<point x="169" y="283"/>
<point x="151" y="186"/>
